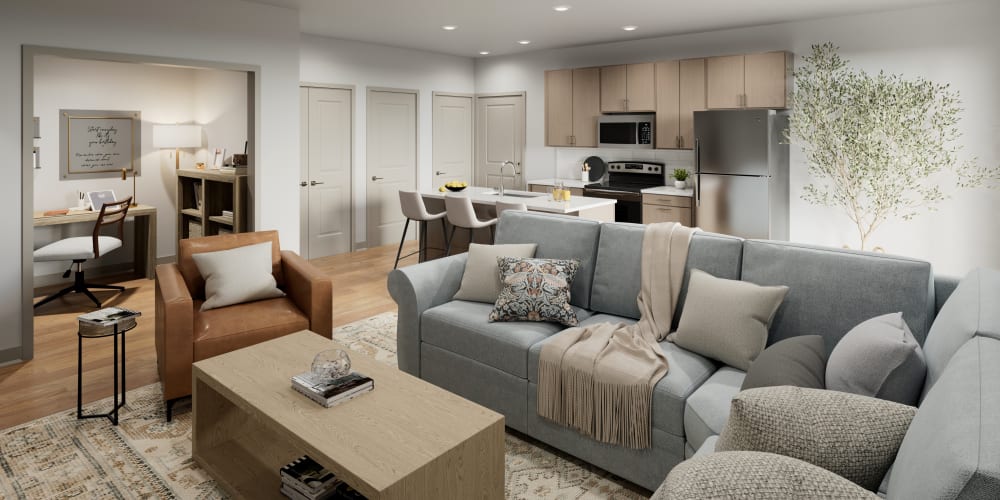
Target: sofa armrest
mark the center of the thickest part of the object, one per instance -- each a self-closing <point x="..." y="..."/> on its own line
<point x="311" y="289"/>
<point x="416" y="289"/>
<point x="174" y="331"/>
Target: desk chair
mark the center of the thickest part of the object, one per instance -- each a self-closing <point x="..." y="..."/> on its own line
<point x="462" y="214"/>
<point x="414" y="209"/>
<point x="82" y="248"/>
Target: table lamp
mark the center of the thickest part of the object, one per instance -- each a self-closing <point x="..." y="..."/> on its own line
<point x="176" y="137"/>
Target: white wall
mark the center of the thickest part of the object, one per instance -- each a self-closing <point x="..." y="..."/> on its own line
<point x="218" y="30"/>
<point x="220" y="106"/>
<point x="955" y="43"/>
<point x="333" y="61"/>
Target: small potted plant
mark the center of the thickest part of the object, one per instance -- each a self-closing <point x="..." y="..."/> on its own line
<point x="680" y="178"/>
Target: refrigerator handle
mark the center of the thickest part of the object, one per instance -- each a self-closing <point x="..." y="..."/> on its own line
<point x="697" y="172"/>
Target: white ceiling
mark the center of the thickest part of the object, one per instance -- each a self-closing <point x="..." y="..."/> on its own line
<point x="496" y="26"/>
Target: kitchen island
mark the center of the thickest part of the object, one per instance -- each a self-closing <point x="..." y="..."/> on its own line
<point x="484" y="201"/>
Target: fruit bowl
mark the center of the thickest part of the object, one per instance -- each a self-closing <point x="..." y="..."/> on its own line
<point x="455" y="189"/>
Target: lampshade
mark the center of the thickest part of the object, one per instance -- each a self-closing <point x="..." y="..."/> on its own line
<point x="176" y="136"/>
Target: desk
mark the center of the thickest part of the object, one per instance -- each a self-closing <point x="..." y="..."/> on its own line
<point x="145" y="233"/>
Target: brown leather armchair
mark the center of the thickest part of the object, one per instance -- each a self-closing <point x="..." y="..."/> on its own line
<point x="185" y="334"/>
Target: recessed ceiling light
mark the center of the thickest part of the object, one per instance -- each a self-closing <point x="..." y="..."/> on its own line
<point x="449" y="27"/>
<point x="561" y="8"/>
<point x="630" y="28"/>
<point x="524" y="42"/>
<point x="484" y="52"/>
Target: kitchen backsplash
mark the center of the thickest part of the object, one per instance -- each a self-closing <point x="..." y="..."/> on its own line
<point x="569" y="160"/>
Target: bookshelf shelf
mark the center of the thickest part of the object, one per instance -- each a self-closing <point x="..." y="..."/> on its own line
<point x="202" y="195"/>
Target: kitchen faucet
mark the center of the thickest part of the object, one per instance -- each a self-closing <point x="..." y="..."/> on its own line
<point x="512" y="169"/>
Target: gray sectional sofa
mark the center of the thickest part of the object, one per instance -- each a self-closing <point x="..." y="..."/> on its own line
<point x="451" y="344"/>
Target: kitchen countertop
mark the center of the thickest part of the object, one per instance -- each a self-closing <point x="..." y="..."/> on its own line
<point x="570" y="183"/>
<point x="670" y="190"/>
<point x="538" y="202"/>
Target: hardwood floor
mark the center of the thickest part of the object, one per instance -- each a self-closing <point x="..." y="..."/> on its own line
<point x="47" y="383"/>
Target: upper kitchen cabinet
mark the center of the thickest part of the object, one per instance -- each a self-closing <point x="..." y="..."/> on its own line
<point x="628" y="88"/>
<point x="572" y="105"/>
<point x="680" y="91"/>
<point x="750" y="81"/>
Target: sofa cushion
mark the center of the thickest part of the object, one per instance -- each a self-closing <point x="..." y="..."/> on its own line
<point x="727" y="320"/>
<point x="464" y="328"/>
<point x="707" y="407"/>
<point x="798" y="361"/>
<point x="481" y="279"/>
<point x="687" y="371"/>
<point x="851" y="435"/>
<point x="218" y="331"/>
<point x="238" y="275"/>
<point x="831" y="290"/>
<point x="558" y="237"/>
<point x="878" y="358"/>
<point x="619" y="266"/>
<point x="952" y="449"/>
<point x="535" y="290"/>
<point x="750" y="474"/>
<point x="970" y="310"/>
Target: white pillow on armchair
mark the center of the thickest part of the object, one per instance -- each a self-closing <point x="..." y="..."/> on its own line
<point x="237" y="275"/>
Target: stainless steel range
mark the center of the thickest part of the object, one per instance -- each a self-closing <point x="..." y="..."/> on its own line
<point x="625" y="182"/>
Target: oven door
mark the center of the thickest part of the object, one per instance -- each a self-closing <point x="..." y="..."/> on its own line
<point x="628" y="208"/>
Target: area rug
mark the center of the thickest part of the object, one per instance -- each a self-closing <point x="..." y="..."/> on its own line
<point x="145" y="457"/>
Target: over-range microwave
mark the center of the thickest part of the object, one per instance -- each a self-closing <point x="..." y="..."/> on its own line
<point x="633" y="131"/>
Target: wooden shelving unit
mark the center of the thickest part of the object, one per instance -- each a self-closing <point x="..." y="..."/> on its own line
<point x="202" y="195"/>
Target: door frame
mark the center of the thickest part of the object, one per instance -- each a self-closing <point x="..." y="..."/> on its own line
<point x="470" y="95"/>
<point x="303" y="233"/>
<point x="416" y="149"/>
<point x="524" y="129"/>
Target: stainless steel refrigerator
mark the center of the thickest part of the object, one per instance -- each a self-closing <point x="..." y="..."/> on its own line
<point x="741" y="173"/>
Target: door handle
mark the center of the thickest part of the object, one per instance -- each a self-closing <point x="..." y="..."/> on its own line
<point x="435" y="173"/>
<point x="374" y="178"/>
<point x="303" y="183"/>
<point x="314" y="183"/>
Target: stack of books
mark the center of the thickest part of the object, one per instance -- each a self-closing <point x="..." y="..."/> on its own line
<point x="99" y="323"/>
<point x="304" y="479"/>
<point x="227" y="213"/>
<point x="332" y="392"/>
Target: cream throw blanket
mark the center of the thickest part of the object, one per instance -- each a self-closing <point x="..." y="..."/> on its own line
<point x="599" y="379"/>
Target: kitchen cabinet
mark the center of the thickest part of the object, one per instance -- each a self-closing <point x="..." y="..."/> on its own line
<point x="749" y="81"/>
<point x="572" y="105"/>
<point x="680" y="91"/>
<point x="628" y="88"/>
<point x="666" y="208"/>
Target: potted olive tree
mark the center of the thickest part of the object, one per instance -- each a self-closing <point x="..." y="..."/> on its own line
<point x="878" y="146"/>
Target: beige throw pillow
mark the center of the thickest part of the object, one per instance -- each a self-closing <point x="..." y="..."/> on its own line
<point x="238" y="275"/>
<point x="727" y="320"/>
<point x="854" y="436"/>
<point x="481" y="281"/>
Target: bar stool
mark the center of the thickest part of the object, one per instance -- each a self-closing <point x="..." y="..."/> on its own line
<point x="462" y="214"/>
<point x="503" y="206"/>
<point x="414" y="209"/>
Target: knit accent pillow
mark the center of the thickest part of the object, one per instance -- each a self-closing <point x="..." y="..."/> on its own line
<point x="750" y="474"/>
<point x="854" y="436"/>
<point x="535" y="290"/>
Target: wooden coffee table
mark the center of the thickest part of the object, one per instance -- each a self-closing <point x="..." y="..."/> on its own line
<point x="406" y="439"/>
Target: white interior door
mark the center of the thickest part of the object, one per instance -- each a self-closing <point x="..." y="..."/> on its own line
<point x="453" y="139"/>
<point x="327" y="180"/>
<point x="391" y="150"/>
<point x="499" y="138"/>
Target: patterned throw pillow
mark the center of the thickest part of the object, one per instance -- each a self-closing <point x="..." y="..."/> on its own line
<point x="535" y="290"/>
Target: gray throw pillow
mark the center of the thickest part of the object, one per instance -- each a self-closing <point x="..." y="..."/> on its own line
<point x="750" y="474"/>
<point x="854" y="436"/>
<point x="238" y="275"/>
<point x="727" y="320"/>
<point x="535" y="290"/>
<point x="878" y="358"/>
<point x="481" y="281"/>
<point x="797" y="361"/>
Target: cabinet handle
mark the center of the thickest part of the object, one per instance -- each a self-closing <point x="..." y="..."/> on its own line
<point x="377" y="178"/>
<point x="626" y="104"/>
<point x="663" y="209"/>
<point x="315" y="183"/>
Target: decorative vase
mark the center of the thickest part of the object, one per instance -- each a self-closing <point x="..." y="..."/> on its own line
<point x="331" y="364"/>
<point x="680" y="184"/>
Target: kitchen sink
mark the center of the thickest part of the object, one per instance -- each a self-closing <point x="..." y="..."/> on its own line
<point x="514" y="195"/>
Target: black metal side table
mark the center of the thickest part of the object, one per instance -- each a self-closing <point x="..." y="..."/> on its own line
<point x="118" y="329"/>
